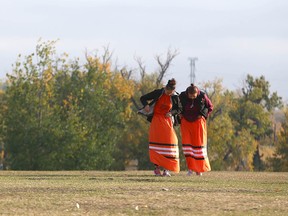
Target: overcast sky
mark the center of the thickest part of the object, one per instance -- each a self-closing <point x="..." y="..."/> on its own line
<point x="230" y="38"/>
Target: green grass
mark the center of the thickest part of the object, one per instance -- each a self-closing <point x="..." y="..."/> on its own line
<point x="140" y="193"/>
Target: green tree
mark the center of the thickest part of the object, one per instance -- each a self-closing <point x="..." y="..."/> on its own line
<point x="238" y="123"/>
<point x="28" y="109"/>
<point x="62" y="115"/>
<point x="280" y="160"/>
<point x="220" y="126"/>
<point x="3" y="109"/>
<point x="252" y="113"/>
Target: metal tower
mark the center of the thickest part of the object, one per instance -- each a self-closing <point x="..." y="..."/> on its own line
<point x="192" y="69"/>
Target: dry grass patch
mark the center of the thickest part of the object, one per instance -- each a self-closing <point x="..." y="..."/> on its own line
<point x="139" y="193"/>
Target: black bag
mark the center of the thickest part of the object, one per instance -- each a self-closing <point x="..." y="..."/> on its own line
<point x="203" y="108"/>
<point x="176" y="120"/>
<point x="148" y="115"/>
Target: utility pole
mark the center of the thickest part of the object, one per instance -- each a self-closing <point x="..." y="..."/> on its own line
<point x="192" y="69"/>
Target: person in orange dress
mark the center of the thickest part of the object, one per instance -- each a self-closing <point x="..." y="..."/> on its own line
<point x="163" y="141"/>
<point x="196" y="109"/>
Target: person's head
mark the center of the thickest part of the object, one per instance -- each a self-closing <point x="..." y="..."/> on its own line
<point x="170" y="86"/>
<point x="192" y="91"/>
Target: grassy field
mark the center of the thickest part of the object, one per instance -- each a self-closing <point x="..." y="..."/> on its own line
<point x="140" y="193"/>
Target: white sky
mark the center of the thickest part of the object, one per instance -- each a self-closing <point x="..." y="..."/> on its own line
<point x="230" y="38"/>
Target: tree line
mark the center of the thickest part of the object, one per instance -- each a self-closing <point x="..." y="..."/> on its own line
<point x="60" y="114"/>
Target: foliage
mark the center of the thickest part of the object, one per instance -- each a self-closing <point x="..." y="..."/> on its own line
<point x="220" y="127"/>
<point x="239" y="123"/>
<point x="280" y="161"/>
<point x="62" y="116"/>
<point x="59" y="114"/>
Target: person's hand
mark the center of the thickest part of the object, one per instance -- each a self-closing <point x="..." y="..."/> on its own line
<point x="169" y="114"/>
<point x="147" y="108"/>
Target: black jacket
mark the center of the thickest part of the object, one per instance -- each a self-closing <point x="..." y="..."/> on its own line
<point x="153" y="96"/>
<point x="204" y="104"/>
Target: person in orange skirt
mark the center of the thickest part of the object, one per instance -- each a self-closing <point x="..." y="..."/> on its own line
<point x="163" y="141"/>
<point x="196" y="109"/>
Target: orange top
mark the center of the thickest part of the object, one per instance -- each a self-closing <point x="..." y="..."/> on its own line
<point x="163" y="105"/>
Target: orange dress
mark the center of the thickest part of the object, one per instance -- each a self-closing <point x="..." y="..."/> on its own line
<point x="163" y="141"/>
<point x="194" y="144"/>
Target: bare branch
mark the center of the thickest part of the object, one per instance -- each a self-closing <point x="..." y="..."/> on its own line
<point x="141" y="67"/>
<point x="135" y="104"/>
<point x="164" y="64"/>
<point x="106" y="57"/>
<point x="87" y="57"/>
<point x="125" y="73"/>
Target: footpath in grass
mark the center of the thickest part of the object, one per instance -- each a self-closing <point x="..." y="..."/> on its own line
<point x="141" y="193"/>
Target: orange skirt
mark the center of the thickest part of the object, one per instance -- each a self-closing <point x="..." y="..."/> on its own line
<point x="194" y="144"/>
<point x="163" y="144"/>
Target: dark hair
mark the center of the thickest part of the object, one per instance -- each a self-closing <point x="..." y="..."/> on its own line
<point x="171" y="85"/>
<point x="192" y="89"/>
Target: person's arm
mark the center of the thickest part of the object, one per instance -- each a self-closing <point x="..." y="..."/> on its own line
<point x="148" y="97"/>
<point x="208" y="105"/>
<point x="177" y="107"/>
<point x="154" y="95"/>
<point x="182" y="99"/>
